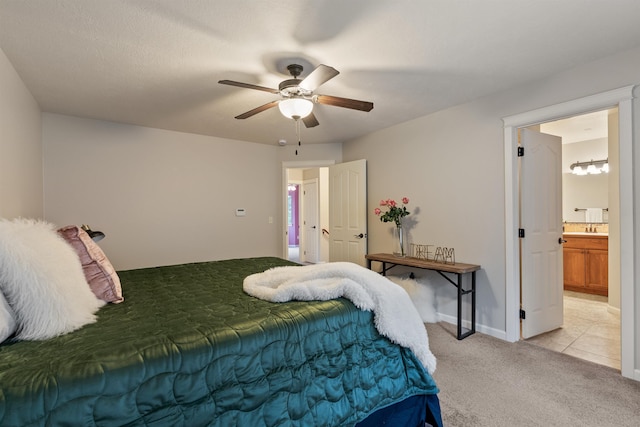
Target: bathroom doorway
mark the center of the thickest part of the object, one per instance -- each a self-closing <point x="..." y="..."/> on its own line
<point x="623" y="213"/>
<point x="591" y="326"/>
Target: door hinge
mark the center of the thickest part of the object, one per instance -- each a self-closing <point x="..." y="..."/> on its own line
<point x="523" y="314"/>
<point x="520" y="151"/>
<point x="521" y="232"/>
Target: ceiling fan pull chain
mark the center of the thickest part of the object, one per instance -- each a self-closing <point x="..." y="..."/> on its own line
<point x="298" y="133"/>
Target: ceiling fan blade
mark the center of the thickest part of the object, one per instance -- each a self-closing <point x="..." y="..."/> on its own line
<point x="310" y="121"/>
<point x="249" y="86"/>
<point x="336" y="101"/>
<point x="320" y="75"/>
<point x="257" y="110"/>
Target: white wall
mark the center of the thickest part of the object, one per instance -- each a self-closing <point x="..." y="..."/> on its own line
<point x="165" y="197"/>
<point x="451" y="165"/>
<point x="20" y="147"/>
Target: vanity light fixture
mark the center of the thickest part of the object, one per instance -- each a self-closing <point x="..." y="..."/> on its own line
<point x="577" y="170"/>
<point x="593" y="170"/>
<point x="592" y="167"/>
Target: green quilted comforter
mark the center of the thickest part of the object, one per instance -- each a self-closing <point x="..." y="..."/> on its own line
<point x="189" y="347"/>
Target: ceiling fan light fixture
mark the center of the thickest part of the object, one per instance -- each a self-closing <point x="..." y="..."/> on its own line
<point x="295" y="108"/>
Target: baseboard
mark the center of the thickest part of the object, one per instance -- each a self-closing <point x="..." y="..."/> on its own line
<point x="613" y="310"/>
<point x="496" y="333"/>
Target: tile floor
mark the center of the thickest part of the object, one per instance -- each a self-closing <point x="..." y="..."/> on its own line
<point x="589" y="331"/>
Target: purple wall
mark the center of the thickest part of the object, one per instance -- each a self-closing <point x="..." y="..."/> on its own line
<point x="293" y="206"/>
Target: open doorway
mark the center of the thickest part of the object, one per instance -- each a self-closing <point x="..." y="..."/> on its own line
<point x="293" y="221"/>
<point x="623" y="99"/>
<point x="341" y="204"/>
<point x="307" y="214"/>
<point x="591" y="326"/>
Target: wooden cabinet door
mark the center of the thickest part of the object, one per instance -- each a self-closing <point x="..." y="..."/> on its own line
<point x="597" y="271"/>
<point x="574" y="268"/>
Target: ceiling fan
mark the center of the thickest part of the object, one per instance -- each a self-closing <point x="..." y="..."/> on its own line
<point x="297" y="97"/>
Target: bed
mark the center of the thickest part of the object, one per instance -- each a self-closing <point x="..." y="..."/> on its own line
<point x="188" y="347"/>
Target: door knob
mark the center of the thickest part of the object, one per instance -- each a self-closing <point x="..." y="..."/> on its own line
<point x="561" y="240"/>
<point x="359" y="236"/>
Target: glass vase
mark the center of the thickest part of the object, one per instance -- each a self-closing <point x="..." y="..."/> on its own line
<point x="399" y="238"/>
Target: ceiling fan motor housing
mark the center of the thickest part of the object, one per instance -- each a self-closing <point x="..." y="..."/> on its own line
<point x="291" y="88"/>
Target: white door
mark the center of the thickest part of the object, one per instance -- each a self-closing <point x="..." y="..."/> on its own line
<point x="310" y="222"/>
<point x="348" y="212"/>
<point x="541" y="220"/>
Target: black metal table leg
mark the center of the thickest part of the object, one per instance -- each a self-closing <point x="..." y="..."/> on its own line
<point x="388" y="261"/>
<point x="473" y="301"/>
<point x="459" y="306"/>
<point x="462" y="292"/>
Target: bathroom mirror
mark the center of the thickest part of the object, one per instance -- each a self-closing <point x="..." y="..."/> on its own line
<point x="582" y="192"/>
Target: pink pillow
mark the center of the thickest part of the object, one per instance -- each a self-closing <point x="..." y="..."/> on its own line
<point x="98" y="271"/>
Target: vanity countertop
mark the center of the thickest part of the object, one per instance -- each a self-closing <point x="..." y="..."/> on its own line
<point x="585" y="233"/>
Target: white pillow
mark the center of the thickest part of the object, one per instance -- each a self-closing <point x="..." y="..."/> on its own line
<point x="7" y="319"/>
<point x="42" y="278"/>
<point x="422" y="295"/>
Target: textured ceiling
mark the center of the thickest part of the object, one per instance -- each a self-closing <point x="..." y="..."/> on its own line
<point x="157" y="63"/>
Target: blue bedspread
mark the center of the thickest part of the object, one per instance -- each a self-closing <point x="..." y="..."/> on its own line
<point x="188" y="347"/>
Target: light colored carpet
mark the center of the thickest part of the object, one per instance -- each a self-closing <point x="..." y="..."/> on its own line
<point x="485" y="381"/>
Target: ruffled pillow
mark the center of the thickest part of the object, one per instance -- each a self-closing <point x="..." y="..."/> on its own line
<point x="98" y="271"/>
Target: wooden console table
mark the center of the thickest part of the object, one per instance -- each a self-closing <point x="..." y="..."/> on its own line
<point x="389" y="261"/>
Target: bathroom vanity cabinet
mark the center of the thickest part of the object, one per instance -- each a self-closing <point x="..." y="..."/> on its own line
<point x="586" y="265"/>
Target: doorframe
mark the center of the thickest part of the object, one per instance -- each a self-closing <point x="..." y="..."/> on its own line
<point x="284" y="250"/>
<point x="623" y="99"/>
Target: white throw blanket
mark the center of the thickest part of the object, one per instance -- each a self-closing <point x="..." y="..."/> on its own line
<point x="395" y="317"/>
